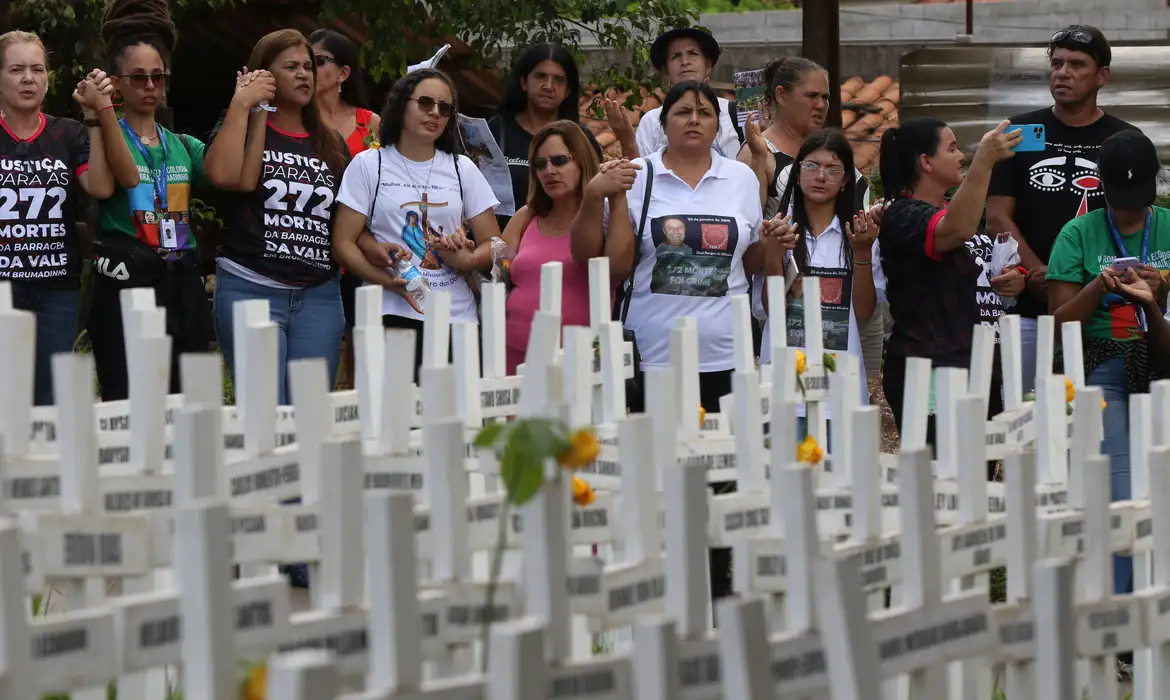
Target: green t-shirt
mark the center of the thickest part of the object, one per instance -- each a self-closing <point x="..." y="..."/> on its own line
<point x="1085" y="247"/>
<point x="136" y="213"/>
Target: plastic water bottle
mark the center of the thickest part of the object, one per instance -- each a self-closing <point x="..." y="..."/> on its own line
<point x="416" y="284"/>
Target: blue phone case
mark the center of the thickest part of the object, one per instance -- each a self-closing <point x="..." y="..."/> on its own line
<point x="1033" y="137"/>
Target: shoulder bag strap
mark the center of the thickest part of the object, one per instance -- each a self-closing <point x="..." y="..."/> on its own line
<point x="374" y="199"/>
<point x="638" y="241"/>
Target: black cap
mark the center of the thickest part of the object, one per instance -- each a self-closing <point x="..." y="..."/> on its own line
<point x="1128" y="167"/>
<point x="707" y="45"/>
<point x="1083" y="38"/>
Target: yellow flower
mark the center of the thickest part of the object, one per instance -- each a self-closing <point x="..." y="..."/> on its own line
<point x="1070" y="392"/>
<point x="801" y="362"/>
<point x="256" y="684"/>
<point x="582" y="492"/>
<point x="809" y="451"/>
<point x="702" y="416"/>
<point x="583" y="449"/>
<point x="1104" y="403"/>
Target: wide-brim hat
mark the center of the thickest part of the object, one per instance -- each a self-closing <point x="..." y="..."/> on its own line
<point x="707" y="44"/>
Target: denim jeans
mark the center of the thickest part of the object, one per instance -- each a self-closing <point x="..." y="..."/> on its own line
<point x="1028" y="328"/>
<point x="57" y="324"/>
<point x="309" y="323"/>
<point x="1110" y="376"/>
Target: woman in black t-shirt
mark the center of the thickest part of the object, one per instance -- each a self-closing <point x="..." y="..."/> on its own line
<point x="927" y="251"/>
<point x="287" y="165"/>
<point x="544" y="87"/>
<point x="43" y="161"/>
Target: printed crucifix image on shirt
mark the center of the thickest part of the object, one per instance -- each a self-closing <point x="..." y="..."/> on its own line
<point x="836" y="300"/>
<point x="692" y="254"/>
<point x="418" y="231"/>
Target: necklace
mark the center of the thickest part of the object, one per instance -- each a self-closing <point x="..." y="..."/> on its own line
<point x="422" y="192"/>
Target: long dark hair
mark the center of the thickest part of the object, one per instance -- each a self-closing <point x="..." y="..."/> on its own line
<point x="394" y="112"/>
<point x="515" y="100"/>
<point x="901" y="148"/>
<point x="345" y="54"/>
<point x="834" y="142"/>
<point x="327" y="142"/>
<point x="130" y="23"/>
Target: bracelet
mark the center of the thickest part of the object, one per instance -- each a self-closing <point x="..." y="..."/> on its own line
<point x="1023" y="270"/>
<point x="91" y="122"/>
<point x="109" y="106"/>
<point x="863" y="262"/>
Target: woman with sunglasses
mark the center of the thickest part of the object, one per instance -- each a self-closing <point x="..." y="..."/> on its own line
<point x="341" y="95"/>
<point x="285" y="165"/>
<point x="561" y="162"/>
<point x="145" y="238"/>
<point x="43" y="163"/>
<point x="411" y="191"/>
<point x="830" y="238"/>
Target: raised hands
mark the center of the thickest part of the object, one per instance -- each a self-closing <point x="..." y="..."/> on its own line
<point x="93" y="92"/>
<point x="997" y="144"/>
<point x="862" y="232"/>
<point x="254" y="87"/>
<point x="779" y="231"/>
<point x="619" y="121"/>
<point x="614" y="178"/>
<point x="756" y="142"/>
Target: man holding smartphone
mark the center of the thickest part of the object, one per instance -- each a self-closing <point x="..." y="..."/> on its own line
<point x="1034" y="194"/>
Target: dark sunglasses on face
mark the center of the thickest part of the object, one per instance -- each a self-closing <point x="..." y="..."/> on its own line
<point x="322" y="60"/>
<point x="429" y="104"/>
<point x="139" y="80"/>
<point x="557" y="161"/>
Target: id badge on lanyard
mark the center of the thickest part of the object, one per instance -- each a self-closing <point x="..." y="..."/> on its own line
<point x="1123" y="252"/>
<point x="168" y="236"/>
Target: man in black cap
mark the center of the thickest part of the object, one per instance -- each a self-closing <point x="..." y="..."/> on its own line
<point x="1035" y="193"/>
<point x="687" y="54"/>
<point x="1130" y="238"/>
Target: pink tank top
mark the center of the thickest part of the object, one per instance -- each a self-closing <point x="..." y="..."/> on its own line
<point x="535" y="250"/>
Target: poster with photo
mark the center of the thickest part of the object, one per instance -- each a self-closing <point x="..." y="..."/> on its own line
<point x="482" y="149"/>
<point x="749" y="93"/>
<point x="836" y="300"/>
<point x="692" y="254"/>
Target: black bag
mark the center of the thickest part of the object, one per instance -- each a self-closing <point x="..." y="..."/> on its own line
<point x="635" y="388"/>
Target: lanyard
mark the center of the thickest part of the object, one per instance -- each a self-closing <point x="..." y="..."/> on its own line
<point x="1121" y="249"/>
<point x="160" y="178"/>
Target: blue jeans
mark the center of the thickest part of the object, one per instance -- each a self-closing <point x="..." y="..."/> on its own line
<point x="56" y="311"/>
<point x="1110" y="376"/>
<point x="309" y="323"/>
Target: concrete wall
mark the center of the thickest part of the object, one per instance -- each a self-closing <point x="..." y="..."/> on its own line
<point x="875" y="36"/>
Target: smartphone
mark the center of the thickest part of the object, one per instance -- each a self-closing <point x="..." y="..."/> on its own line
<point x="1123" y="264"/>
<point x="1033" y="138"/>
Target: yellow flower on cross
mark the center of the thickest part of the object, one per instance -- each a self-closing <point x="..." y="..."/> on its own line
<point x="809" y="451"/>
<point x="801" y="362"/>
<point x="256" y="683"/>
<point x="582" y="492"/>
<point x="582" y="450"/>
<point x="1070" y="391"/>
<point x="702" y="416"/>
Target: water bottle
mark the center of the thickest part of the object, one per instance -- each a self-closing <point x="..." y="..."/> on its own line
<point x="416" y="284"/>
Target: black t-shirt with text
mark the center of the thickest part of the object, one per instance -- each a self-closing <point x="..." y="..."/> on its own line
<point x="281" y="230"/>
<point x="514" y="140"/>
<point x="932" y="298"/>
<point x="39" y="190"/>
<point x="1053" y="186"/>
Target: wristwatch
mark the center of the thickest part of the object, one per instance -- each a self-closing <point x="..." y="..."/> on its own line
<point x="92" y="122"/>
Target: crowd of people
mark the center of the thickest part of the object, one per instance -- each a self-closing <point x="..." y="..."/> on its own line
<point x="326" y="195"/>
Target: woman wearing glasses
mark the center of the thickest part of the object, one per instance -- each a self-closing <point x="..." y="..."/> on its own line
<point x="561" y="161"/>
<point x="146" y="239"/>
<point x="285" y="165"/>
<point x="831" y="239"/>
<point x="43" y="161"/>
<point x="341" y="95"/>
<point x="417" y="194"/>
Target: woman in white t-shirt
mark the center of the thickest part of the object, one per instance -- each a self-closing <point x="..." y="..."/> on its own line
<point x="415" y="194"/>
<point x="695" y="245"/>
<point x="834" y="241"/>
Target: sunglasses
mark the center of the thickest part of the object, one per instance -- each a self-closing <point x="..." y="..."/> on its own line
<point x="430" y="104"/>
<point x="557" y="161"/>
<point x="1077" y="35"/>
<point x="322" y="60"/>
<point x="139" y="80"/>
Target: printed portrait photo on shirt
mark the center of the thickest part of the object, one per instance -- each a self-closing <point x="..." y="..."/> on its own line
<point x="836" y="301"/>
<point x="692" y="254"/>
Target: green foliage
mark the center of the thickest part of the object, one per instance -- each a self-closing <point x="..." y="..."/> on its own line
<point x="493" y="27"/>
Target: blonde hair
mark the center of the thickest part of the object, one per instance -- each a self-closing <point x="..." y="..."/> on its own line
<point x="15" y="37"/>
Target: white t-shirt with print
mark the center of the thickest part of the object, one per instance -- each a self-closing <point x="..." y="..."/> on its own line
<point x="650" y="136"/>
<point x="400" y="215"/>
<point x="691" y="257"/>
<point x="826" y="259"/>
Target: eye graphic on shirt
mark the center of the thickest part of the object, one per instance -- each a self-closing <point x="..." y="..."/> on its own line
<point x="1046" y="175"/>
